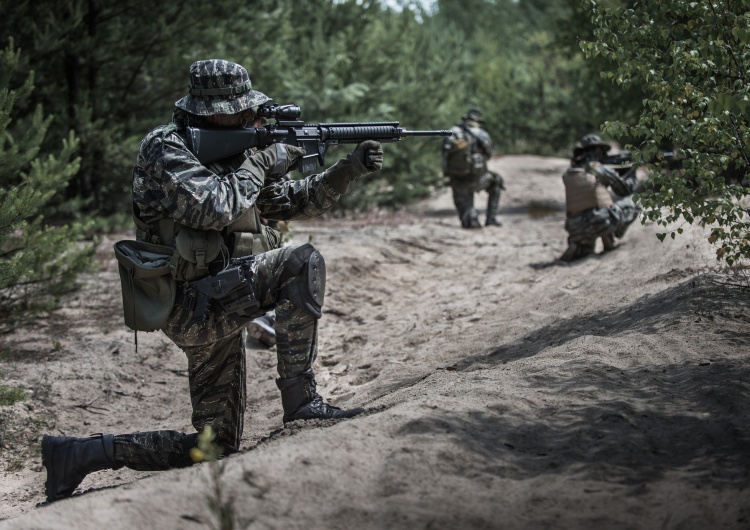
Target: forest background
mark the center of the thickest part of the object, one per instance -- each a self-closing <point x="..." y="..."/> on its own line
<point x="82" y="81"/>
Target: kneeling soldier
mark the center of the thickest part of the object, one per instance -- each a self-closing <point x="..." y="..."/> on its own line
<point x="211" y="216"/>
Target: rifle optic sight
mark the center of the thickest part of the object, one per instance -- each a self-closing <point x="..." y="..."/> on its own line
<point x="279" y="112"/>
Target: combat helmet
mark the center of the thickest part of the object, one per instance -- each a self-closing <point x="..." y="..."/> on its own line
<point x="473" y="115"/>
<point x="219" y="87"/>
<point x="588" y="141"/>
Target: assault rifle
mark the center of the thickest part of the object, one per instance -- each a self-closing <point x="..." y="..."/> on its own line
<point x="622" y="162"/>
<point x="210" y="145"/>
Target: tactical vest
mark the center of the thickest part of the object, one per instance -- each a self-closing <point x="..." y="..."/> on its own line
<point x="197" y="249"/>
<point x="583" y="192"/>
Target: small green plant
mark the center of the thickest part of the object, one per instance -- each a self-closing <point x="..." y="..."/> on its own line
<point x="220" y="506"/>
<point x="10" y="395"/>
<point x="41" y="387"/>
<point x="162" y="349"/>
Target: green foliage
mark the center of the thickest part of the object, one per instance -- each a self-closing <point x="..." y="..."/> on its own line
<point x="692" y="60"/>
<point x="38" y="261"/>
<point x="357" y="61"/>
<point x="528" y="75"/>
<point x="110" y="71"/>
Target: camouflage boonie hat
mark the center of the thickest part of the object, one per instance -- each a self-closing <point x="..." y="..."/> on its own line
<point x="590" y="140"/>
<point x="473" y="115"/>
<point x="219" y="87"/>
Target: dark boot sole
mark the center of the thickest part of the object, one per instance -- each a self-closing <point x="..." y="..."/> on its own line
<point x="337" y="414"/>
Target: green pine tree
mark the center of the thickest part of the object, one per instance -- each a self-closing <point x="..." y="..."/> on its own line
<point x="39" y="260"/>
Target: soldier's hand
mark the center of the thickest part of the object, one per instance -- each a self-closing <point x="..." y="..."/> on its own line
<point x="366" y="158"/>
<point x="370" y="154"/>
<point x="274" y="161"/>
<point x="289" y="158"/>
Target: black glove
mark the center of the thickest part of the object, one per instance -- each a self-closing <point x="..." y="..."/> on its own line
<point x="366" y="158"/>
<point x="370" y="153"/>
<point x="273" y="161"/>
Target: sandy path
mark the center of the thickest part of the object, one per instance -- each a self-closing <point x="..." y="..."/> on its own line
<point x="505" y="390"/>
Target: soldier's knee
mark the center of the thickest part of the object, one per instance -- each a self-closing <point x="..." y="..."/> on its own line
<point x="498" y="180"/>
<point x="305" y="279"/>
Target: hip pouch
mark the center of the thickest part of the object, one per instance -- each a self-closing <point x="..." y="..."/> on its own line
<point x="148" y="288"/>
<point x="478" y="167"/>
<point x="231" y="290"/>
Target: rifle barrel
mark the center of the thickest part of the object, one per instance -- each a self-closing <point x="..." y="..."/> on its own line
<point x="427" y="133"/>
<point x="381" y="131"/>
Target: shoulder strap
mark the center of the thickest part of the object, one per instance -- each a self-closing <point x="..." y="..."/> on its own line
<point x="161" y="234"/>
<point x="470" y="135"/>
<point x="143" y="230"/>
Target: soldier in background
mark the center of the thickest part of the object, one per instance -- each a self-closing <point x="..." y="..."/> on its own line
<point x="598" y="200"/>
<point x="465" y="156"/>
<point x="211" y="215"/>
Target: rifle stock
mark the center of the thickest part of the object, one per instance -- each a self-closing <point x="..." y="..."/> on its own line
<point x="210" y="145"/>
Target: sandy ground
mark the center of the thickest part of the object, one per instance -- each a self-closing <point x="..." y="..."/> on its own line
<point x="504" y="389"/>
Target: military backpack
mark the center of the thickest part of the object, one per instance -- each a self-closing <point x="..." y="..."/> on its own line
<point x="465" y="161"/>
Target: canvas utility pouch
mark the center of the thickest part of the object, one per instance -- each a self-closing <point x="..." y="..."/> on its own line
<point x="148" y="288"/>
<point x="247" y="244"/>
<point x="196" y="249"/>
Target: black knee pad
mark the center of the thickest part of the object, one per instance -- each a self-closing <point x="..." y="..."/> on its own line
<point x="307" y="289"/>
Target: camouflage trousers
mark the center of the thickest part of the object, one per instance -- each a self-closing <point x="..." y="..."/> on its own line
<point x="463" y="196"/>
<point x="585" y="227"/>
<point x="215" y="352"/>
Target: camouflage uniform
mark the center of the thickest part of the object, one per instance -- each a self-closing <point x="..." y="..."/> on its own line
<point x="480" y="178"/>
<point x="174" y="196"/>
<point x="598" y="201"/>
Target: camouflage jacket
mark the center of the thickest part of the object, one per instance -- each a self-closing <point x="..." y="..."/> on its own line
<point x="622" y="185"/>
<point x="170" y="183"/>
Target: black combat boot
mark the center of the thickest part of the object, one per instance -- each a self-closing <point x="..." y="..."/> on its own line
<point x="577" y="250"/>
<point x="262" y="329"/>
<point x="68" y="460"/>
<point x="301" y="400"/>
<point x="492" y="202"/>
<point x="471" y="222"/>
<point x="570" y="253"/>
<point x="469" y="219"/>
<point x="608" y="242"/>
